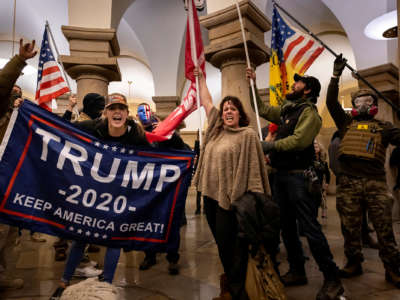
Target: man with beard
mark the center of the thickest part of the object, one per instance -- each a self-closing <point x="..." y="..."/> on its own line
<point x="362" y="181"/>
<point x="292" y="154"/>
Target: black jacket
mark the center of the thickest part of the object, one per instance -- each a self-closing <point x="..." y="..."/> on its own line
<point x="258" y="221"/>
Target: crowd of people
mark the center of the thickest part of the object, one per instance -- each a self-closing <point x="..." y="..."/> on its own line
<point x="289" y="167"/>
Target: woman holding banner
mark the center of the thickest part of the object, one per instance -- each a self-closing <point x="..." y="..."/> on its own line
<point x="231" y="163"/>
<point x="114" y="127"/>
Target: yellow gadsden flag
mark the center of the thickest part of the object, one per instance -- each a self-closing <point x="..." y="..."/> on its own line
<point x="292" y="51"/>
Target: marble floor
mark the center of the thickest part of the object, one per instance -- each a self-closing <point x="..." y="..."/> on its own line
<point x="200" y="268"/>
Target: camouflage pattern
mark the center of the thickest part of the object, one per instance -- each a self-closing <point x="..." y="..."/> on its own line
<point x="352" y="194"/>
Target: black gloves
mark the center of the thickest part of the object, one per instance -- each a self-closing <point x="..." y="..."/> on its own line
<point x="339" y="65"/>
<point x="267" y="146"/>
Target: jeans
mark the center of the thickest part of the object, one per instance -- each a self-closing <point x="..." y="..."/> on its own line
<point x="299" y="212"/>
<point x="75" y="256"/>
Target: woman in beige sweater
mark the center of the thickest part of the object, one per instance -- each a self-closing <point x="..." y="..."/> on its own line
<point x="231" y="163"/>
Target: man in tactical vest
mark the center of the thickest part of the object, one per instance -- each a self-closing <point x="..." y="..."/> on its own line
<point x="362" y="154"/>
<point x="292" y="155"/>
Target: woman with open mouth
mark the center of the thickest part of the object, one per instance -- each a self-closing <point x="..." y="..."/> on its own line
<point x="231" y="163"/>
<point x="115" y="126"/>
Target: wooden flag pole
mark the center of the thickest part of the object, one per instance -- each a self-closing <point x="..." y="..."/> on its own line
<point x="194" y="58"/>
<point x="58" y="54"/>
<point x="249" y="66"/>
<point x="76" y="111"/>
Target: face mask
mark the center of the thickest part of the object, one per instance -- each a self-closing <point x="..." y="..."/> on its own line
<point x="364" y="111"/>
<point x="144" y="114"/>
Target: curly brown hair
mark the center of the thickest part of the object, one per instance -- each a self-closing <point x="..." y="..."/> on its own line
<point x="243" y="118"/>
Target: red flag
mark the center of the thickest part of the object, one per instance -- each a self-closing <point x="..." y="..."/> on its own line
<point x="167" y="127"/>
<point x="50" y="83"/>
<point x="189" y="51"/>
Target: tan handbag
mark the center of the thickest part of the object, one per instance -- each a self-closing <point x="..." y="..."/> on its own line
<point x="262" y="282"/>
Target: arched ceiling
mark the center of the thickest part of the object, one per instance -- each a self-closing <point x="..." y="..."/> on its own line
<point x="151" y="35"/>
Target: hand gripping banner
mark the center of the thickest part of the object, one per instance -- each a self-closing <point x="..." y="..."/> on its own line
<point x="57" y="179"/>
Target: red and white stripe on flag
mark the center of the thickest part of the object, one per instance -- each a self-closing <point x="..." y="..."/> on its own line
<point x="300" y="51"/>
<point x="50" y="83"/>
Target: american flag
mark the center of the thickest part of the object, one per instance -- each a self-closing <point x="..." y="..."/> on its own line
<point x="50" y="83"/>
<point x="292" y="51"/>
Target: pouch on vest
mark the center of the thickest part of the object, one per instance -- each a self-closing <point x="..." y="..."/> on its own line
<point x="363" y="140"/>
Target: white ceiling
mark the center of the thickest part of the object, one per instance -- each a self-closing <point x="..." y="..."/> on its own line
<point x="151" y="36"/>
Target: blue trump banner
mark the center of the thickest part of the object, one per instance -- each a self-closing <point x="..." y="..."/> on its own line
<point x="59" y="180"/>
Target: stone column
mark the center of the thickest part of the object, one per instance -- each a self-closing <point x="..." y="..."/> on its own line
<point x="165" y="105"/>
<point x="92" y="62"/>
<point x="226" y="48"/>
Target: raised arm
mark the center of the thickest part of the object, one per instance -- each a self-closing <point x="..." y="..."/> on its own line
<point x="268" y="112"/>
<point x="335" y="109"/>
<point x="205" y="96"/>
<point x="11" y="71"/>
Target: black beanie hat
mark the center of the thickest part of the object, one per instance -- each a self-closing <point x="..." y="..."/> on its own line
<point x="93" y="105"/>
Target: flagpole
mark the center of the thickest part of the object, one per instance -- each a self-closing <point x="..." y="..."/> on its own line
<point x="249" y="66"/>
<point x="62" y="67"/>
<point x="13" y="29"/>
<point x="194" y="58"/>
<point x="58" y="53"/>
<point x="388" y="101"/>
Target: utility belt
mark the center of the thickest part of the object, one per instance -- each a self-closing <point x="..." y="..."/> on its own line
<point x="313" y="185"/>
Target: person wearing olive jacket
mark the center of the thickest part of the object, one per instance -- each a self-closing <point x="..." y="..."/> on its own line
<point x="292" y="154"/>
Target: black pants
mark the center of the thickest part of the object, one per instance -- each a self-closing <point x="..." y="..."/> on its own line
<point x="299" y="212"/>
<point x="233" y="251"/>
<point x="172" y="257"/>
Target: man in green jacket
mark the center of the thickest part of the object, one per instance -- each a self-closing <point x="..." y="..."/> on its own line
<point x="8" y="94"/>
<point x="292" y="155"/>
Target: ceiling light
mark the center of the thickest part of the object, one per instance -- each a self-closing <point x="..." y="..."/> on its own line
<point x="28" y="70"/>
<point x="378" y="26"/>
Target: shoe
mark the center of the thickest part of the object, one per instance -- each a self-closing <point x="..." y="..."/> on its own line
<point x="351" y="269"/>
<point x="393" y="276"/>
<point x="369" y="242"/>
<point x="37" y="237"/>
<point x="293" y="278"/>
<point x="223" y="285"/>
<point x="90" y="263"/>
<point x="11" y="283"/>
<point x="173" y="268"/>
<point x="224" y="296"/>
<point x="184" y="221"/>
<point x="93" y="249"/>
<point x="147" y="263"/>
<point x="61" y="254"/>
<point x="61" y="243"/>
<point x="87" y="272"/>
<point x="332" y="289"/>
<point x="57" y="294"/>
